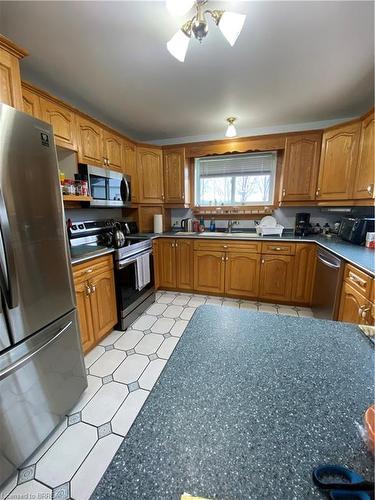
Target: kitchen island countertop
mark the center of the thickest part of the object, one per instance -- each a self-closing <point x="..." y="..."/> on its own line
<point x="248" y="404"/>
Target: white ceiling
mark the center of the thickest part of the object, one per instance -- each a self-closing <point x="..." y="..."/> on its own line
<point x="294" y="62"/>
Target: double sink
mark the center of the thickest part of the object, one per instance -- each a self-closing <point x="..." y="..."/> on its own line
<point x="219" y="235"/>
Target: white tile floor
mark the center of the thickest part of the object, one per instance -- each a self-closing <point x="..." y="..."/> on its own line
<point x="122" y="370"/>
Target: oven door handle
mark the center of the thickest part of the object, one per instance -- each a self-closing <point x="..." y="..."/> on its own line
<point x="131" y="260"/>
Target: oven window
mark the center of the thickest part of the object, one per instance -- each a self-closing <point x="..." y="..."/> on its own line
<point x="98" y="187"/>
<point x="114" y="189"/>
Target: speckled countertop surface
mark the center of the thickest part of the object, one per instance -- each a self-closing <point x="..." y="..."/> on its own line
<point x="247" y="405"/>
<point x="82" y="253"/>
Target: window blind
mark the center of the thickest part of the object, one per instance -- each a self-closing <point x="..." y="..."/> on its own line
<point x="237" y="165"/>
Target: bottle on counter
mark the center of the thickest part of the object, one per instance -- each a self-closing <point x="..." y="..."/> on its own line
<point x="212" y="226"/>
<point x="317" y="229"/>
<point x="326" y="228"/>
<point x="201" y="225"/>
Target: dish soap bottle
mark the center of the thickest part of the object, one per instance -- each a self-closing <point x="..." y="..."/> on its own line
<point x="212" y="226"/>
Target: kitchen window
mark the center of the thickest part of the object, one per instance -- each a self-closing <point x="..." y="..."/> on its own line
<point x="241" y="179"/>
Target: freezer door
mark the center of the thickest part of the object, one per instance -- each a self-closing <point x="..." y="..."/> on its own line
<point x="40" y="381"/>
<point x="37" y="278"/>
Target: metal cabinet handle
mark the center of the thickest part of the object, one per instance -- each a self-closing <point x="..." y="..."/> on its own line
<point x="262" y="261"/>
<point x="175" y="244"/>
<point x="370" y="189"/>
<point x="225" y="246"/>
<point x="222" y="259"/>
<point x="284" y="192"/>
<point x="226" y="258"/>
<point x="279" y="248"/>
<point x="92" y="287"/>
<point x="317" y="192"/>
<point x="88" y="289"/>
<point x="88" y="271"/>
<point x="357" y="279"/>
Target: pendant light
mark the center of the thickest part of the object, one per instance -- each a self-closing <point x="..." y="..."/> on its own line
<point x="229" y="23"/>
<point x="231" y="129"/>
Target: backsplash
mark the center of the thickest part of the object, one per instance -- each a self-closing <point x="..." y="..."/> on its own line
<point x="81" y="214"/>
<point x="284" y="216"/>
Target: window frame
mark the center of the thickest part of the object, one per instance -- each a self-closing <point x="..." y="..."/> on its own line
<point x="274" y="187"/>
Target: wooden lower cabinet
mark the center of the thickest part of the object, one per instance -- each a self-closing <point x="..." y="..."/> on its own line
<point x="209" y="271"/>
<point x="103" y="303"/>
<point x="184" y="252"/>
<point x="242" y="274"/>
<point x="276" y="276"/>
<point x="84" y="316"/>
<point x="174" y="263"/>
<point x="96" y="299"/>
<point x="354" y="308"/>
<point x="303" y="273"/>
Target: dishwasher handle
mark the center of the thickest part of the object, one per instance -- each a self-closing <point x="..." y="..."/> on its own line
<point x="332" y="265"/>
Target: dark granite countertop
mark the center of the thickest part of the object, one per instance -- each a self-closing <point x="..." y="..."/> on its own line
<point x="361" y="257"/>
<point x="248" y="404"/>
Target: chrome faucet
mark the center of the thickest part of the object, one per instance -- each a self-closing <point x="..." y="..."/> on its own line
<point x="231" y="223"/>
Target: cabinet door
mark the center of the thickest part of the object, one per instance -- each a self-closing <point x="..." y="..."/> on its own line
<point x="242" y="274"/>
<point x="112" y="145"/>
<point x="129" y="153"/>
<point x="63" y="123"/>
<point x="31" y="103"/>
<point x="300" y="168"/>
<point x="351" y="305"/>
<point x="209" y="271"/>
<point x="10" y="80"/>
<point x="174" y="175"/>
<point x="338" y="162"/>
<point x="303" y="275"/>
<point x="84" y="315"/>
<point x="185" y="264"/>
<point x="364" y="180"/>
<point x="276" y="274"/>
<point x="103" y="303"/>
<point x="166" y="263"/>
<point x="150" y="174"/>
<point x="90" y="142"/>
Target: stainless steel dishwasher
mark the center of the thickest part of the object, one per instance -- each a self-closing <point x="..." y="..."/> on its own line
<point x="327" y="286"/>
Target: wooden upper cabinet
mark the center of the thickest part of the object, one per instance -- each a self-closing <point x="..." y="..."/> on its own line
<point x="31" y="103"/>
<point x="209" y="271"/>
<point x="10" y="80"/>
<point x="90" y="142"/>
<point x="338" y="162"/>
<point x="300" y="167"/>
<point x="242" y="274"/>
<point x="150" y="175"/>
<point x="112" y="147"/>
<point x="63" y="122"/>
<point x="176" y="178"/>
<point x="304" y="272"/>
<point x="129" y="160"/>
<point x="184" y="264"/>
<point x="276" y="276"/>
<point x="365" y="171"/>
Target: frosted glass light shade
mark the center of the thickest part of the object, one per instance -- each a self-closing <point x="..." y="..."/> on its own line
<point x="179" y="7"/>
<point x="231" y="131"/>
<point x="178" y="45"/>
<point x="230" y="25"/>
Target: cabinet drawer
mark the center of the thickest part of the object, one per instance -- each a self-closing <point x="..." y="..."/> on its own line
<point x="93" y="267"/>
<point x="226" y="246"/>
<point x="359" y="280"/>
<point x="278" y="248"/>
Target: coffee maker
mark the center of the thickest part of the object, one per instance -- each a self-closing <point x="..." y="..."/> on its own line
<point x="302" y="224"/>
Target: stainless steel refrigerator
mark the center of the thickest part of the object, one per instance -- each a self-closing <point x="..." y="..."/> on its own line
<point x="42" y="374"/>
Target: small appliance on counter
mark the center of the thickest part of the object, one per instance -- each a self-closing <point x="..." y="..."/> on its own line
<point x="268" y="226"/>
<point x="302" y="224"/>
<point x="355" y="229"/>
<point x="187" y="225"/>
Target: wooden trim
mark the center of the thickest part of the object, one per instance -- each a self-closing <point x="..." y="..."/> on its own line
<point x="72" y="197"/>
<point x="12" y="48"/>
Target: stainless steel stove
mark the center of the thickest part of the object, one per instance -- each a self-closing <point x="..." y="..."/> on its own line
<point x="134" y="295"/>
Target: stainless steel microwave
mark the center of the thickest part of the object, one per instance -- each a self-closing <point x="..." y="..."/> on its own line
<point x="107" y="188"/>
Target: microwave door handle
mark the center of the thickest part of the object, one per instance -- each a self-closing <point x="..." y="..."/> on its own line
<point x="9" y="285"/>
<point x="124" y="190"/>
<point x="127" y="190"/>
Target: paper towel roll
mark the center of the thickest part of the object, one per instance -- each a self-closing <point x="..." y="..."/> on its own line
<point x="158" y="223"/>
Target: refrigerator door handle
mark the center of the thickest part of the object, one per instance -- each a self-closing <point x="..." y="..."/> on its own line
<point x="9" y="286"/>
<point x="20" y="362"/>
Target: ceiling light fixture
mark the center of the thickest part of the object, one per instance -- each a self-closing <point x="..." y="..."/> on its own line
<point x="231" y="130"/>
<point x="229" y="23"/>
